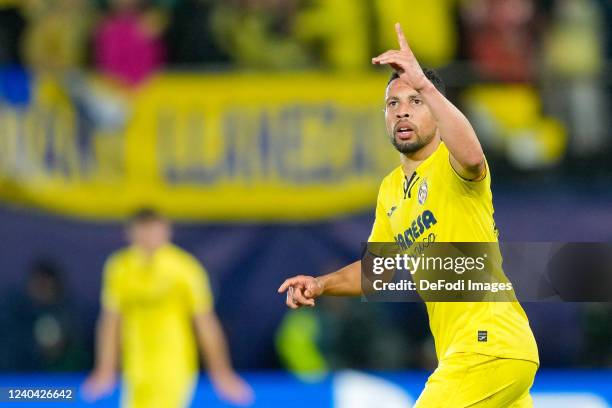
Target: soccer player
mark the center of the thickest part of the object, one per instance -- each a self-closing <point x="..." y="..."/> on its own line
<point x="156" y="301"/>
<point x="487" y="355"/>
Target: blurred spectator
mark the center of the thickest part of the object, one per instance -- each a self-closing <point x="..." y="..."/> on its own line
<point x="15" y="86"/>
<point x="361" y="335"/>
<point x="574" y="41"/>
<point x="345" y="333"/>
<point x="501" y="38"/>
<point x="337" y="32"/>
<point x="128" y="41"/>
<point x="43" y="332"/>
<point x="257" y="33"/>
<point x="510" y="121"/>
<point x="434" y="45"/>
<point x="297" y="345"/>
<point x="191" y="35"/>
<point x="606" y="8"/>
<point x="14" y="81"/>
<point x="12" y="25"/>
<point x="574" y="60"/>
<point x="56" y="36"/>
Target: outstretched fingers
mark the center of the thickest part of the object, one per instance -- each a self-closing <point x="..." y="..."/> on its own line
<point x="391" y="60"/>
<point x="387" y="54"/>
<point x="401" y="38"/>
<point x="288" y="283"/>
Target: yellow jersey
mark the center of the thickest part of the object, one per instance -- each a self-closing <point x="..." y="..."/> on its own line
<point x="435" y="204"/>
<point x="157" y="298"/>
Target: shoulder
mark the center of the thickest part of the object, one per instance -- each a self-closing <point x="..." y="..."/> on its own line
<point x="394" y="177"/>
<point x="119" y="257"/>
<point x="180" y="255"/>
<point x="441" y="154"/>
<point x="117" y="264"/>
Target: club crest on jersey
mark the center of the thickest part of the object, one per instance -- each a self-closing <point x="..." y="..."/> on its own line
<point x="423" y="190"/>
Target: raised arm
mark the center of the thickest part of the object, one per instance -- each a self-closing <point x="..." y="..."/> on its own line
<point x="466" y="155"/>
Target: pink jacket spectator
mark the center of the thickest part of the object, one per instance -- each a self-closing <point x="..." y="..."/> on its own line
<point x="125" y="50"/>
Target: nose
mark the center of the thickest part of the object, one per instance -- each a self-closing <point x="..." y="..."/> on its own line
<point x="403" y="110"/>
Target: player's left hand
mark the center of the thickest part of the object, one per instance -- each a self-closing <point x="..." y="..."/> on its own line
<point x="231" y="388"/>
<point x="404" y="62"/>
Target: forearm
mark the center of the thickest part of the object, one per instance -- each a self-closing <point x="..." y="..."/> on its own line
<point x="455" y="129"/>
<point x="107" y="342"/>
<point x="213" y="344"/>
<point x="344" y="282"/>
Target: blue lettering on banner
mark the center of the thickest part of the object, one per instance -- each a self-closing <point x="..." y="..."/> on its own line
<point x="303" y="144"/>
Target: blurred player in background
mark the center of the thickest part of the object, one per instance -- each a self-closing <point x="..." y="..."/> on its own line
<point x="156" y="299"/>
<point x="487" y="355"/>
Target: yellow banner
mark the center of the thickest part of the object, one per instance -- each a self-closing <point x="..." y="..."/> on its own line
<point x="215" y="147"/>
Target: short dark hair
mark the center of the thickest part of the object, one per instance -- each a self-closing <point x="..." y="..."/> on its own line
<point x="432" y="75"/>
<point x="145" y="215"/>
<point x="45" y="268"/>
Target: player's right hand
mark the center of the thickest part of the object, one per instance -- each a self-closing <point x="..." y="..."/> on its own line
<point x="301" y="291"/>
<point x="99" y="384"/>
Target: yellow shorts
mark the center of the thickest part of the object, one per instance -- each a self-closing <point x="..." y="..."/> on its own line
<point x="479" y="381"/>
<point x="156" y="394"/>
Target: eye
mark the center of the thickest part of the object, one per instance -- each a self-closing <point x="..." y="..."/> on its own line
<point x="417" y="101"/>
<point x="392" y="103"/>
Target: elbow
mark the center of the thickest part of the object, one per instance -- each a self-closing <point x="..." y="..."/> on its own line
<point x="474" y="166"/>
<point x="474" y="162"/>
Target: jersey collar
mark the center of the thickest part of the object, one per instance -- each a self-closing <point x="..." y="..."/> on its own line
<point x="425" y="163"/>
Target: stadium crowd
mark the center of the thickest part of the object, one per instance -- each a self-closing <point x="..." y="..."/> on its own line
<point x="550" y="55"/>
<point x="130" y="39"/>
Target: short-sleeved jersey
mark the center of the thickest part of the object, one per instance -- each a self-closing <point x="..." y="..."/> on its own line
<point x="437" y="204"/>
<point x="156" y="298"/>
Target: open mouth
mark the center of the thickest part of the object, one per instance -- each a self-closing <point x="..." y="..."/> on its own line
<point x="404" y="131"/>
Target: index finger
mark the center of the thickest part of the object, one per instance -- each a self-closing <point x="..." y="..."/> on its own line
<point x="289" y="282"/>
<point x="401" y="38"/>
<point x="285" y="285"/>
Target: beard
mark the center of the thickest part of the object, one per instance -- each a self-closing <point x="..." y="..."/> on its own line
<point x="408" y="147"/>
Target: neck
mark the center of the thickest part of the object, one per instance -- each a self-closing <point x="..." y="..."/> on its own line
<point x="411" y="161"/>
<point x="148" y="252"/>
